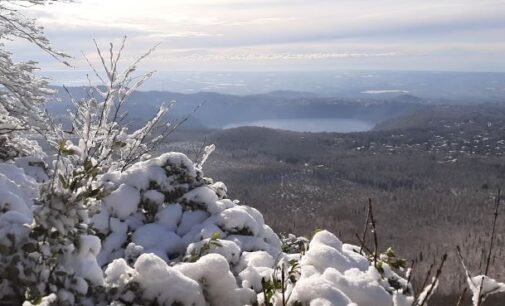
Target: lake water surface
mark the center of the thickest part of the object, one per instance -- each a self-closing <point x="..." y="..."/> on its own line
<point x="310" y="125"/>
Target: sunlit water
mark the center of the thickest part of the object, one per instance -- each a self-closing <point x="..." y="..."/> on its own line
<point x="309" y="125"/>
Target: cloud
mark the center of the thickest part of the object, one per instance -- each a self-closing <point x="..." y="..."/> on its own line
<point x="310" y="30"/>
<point x="282" y="56"/>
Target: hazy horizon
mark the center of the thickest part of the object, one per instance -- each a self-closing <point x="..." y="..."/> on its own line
<point x="485" y="86"/>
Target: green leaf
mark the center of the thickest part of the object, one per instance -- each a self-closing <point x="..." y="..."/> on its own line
<point x="390" y="253"/>
<point x="4" y="250"/>
<point x="118" y="145"/>
<point x="317" y="230"/>
<point x="67" y="152"/>
<point x="37" y="301"/>
<point x="91" y="193"/>
<point x="94" y="172"/>
<point x="62" y="145"/>
<point x="88" y="165"/>
<point x="63" y="181"/>
<point x="29" y="248"/>
<point x="74" y="185"/>
<point x="215" y="243"/>
<point x="215" y="236"/>
<point x="379" y="267"/>
<point x="60" y="273"/>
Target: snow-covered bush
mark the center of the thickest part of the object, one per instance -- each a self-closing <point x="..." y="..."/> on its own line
<point x="45" y="243"/>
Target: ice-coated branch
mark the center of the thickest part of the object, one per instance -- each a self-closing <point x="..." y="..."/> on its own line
<point x="97" y="120"/>
<point x="22" y="94"/>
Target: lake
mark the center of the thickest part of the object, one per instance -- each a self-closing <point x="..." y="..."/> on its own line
<point x="309" y="125"/>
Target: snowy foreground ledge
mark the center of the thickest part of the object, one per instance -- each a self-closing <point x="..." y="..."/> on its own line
<point x="165" y="235"/>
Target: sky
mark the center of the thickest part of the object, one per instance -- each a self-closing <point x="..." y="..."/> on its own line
<point x="281" y="35"/>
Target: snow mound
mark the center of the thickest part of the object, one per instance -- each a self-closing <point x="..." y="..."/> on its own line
<point x="166" y="206"/>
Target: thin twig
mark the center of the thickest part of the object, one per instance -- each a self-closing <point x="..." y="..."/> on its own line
<point x="363" y="244"/>
<point x="493" y="232"/>
<point x="365" y="230"/>
<point x="462" y="297"/>
<point x="374" y="231"/>
<point x="412" y="267"/>
<point x="491" y="244"/>
<point x="434" y="282"/>
<point x="426" y="279"/>
<point x="462" y="260"/>
<point x="283" y="285"/>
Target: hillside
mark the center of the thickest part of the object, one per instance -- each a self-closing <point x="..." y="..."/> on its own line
<point x="418" y="175"/>
<point x="216" y="110"/>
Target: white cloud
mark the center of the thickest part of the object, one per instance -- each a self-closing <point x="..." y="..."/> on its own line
<point x="310" y="30"/>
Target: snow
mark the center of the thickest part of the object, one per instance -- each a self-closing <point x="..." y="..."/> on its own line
<point x="123" y="201"/>
<point x="203" y="198"/>
<point x="157" y="239"/>
<point x="46" y="301"/>
<point x="169" y="216"/>
<point x="316" y="290"/>
<point x="171" y="236"/>
<point x="111" y="245"/>
<point x="154" y="170"/>
<point x="221" y="286"/>
<point x="153" y="274"/>
<point x="190" y="219"/>
<point x="326" y="238"/>
<point x="489" y="286"/>
<point x="153" y="196"/>
<point x="236" y="220"/>
<point x="10" y="201"/>
<point x="118" y="273"/>
<point x="324" y="256"/>
<point x="253" y="267"/>
<point x="100" y="221"/>
<point x="220" y="189"/>
<point x="84" y="261"/>
<point x="228" y="249"/>
<point x="250" y="243"/>
<point x="256" y="259"/>
<point x="354" y="282"/>
<point x="251" y="277"/>
<point x="14" y="180"/>
<point x="15" y="204"/>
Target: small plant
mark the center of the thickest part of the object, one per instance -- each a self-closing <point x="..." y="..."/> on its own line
<point x="213" y="242"/>
<point x="285" y="275"/>
<point x="391" y="260"/>
<point x="292" y="244"/>
<point x="482" y="286"/>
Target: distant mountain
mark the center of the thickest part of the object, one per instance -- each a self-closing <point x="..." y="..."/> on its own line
<point x="290" y="94"/>
<point x="487" y="115"/>
<point x="453" y="87"/>
<point x="214" y="110"/>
